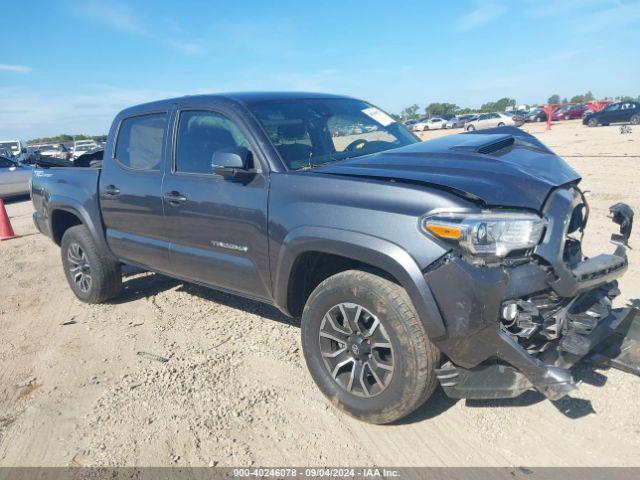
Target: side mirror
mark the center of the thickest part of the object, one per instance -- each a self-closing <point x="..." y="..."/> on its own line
<point x="232" y="162"/>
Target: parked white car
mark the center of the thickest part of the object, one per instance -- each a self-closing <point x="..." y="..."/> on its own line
<point x="56" y="150"/>
<point x="494" y="119"/>
<point x="84" y="143"/>
<point x="82" y="149"/>
<point x="16" y="146"/>
<point x="459" y="121"/>
<point x="434" y="123"/>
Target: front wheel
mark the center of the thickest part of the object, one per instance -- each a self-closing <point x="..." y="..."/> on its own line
<point x="470" y="128"/>
<point x="366" y="348"/>
<point x="592" y="122"/>
<point x="93" y="277"/>
<point x="635" y="120"/>
<point x="501" y="124"/>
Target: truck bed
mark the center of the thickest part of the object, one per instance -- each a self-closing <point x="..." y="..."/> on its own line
<point x="72" y="189"/>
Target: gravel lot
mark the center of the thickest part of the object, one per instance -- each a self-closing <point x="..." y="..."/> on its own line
<point x="176" y="374"/>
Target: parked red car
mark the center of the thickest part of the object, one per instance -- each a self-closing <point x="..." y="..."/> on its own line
<point x="569" y="112"/>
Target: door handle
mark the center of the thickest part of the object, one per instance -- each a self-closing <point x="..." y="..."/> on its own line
<point x="111" y="191"/>
<point x="174" y="198"/>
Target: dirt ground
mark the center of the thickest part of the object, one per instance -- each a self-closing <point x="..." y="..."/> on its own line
<point x="77" y="386"/>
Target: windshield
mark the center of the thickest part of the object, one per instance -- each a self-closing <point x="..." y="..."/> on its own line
<point x="311" y="132"/>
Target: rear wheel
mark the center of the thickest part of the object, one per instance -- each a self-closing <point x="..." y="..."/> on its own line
<point x="635" y="119"/>
<point x="501" y="124"/>
<point x="92" y="276"/>
<point x="470" y="128"/>
<point x="538" y="119"/>
<point x="366" y="349"/>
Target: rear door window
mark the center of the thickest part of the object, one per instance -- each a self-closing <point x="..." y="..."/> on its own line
<point x="140" y="142"/>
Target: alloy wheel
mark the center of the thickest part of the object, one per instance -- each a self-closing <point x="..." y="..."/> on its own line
<point x="79" y="267"/>
<point x="356" y="350"/>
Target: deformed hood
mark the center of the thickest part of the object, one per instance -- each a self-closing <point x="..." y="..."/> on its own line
<point x="502" y="167"/>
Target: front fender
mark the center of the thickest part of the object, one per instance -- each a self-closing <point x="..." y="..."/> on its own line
<point x="368" y="249"/>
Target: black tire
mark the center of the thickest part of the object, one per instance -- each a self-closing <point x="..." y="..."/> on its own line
<point x="501" y="124"/>
<point x="80" y="253"/>
<point x="635" y="119"/>
<point x="593" y="122"/>
<point x="470" y="128"/>
<point x="425" y="128"/>
<point x="413" y="357"/>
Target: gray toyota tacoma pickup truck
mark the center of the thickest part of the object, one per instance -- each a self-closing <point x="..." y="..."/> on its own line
<point x="455" y="261"/>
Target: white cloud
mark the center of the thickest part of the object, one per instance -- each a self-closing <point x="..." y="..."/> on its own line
<point x="618" y="15"/>
<point x="14" y="68"/>
<point x="562" y="8"/>
<point x="120" y="17"/>
<point x="24" y="114"/>
<point x="485" y="12"/>
<point x="587" y="16"/>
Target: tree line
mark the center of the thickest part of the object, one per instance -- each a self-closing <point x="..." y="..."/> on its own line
<point x="65" y="137"/>
<point x="438" y="109"/>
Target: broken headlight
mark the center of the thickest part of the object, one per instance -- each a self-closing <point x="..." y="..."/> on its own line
<point x="486" y="237"/>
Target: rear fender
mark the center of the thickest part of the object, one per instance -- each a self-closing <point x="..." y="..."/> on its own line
<point x="90" y="218"/>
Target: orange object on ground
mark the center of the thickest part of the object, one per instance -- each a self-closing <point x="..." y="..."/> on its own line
<point x="6" y="231"/>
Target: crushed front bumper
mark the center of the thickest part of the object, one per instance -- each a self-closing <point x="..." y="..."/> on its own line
<point x="565" y="314"/>
<point x="614" y="342"/>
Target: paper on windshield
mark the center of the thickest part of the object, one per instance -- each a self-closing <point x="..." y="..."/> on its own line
<point x="379" y="116"/>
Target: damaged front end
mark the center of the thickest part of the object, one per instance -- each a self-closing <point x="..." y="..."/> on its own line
<point x="521" y="318"/>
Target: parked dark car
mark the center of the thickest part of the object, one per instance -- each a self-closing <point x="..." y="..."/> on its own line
<point x="6" y="153"/>
<point x="619" y="112"/>
<point x="31" y="155"/>
<point x="455" y="261"/>
<point x="536" y="115"/>
<point x="569" y="112"/>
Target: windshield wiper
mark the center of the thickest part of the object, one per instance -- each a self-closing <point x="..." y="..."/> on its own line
<point x="311" y="165"/>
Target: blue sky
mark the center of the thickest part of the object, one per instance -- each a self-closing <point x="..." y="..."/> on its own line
<point x="69" y="66"/>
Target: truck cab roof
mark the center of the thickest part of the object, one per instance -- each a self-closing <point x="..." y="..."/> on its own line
<point x="245" y="98"/>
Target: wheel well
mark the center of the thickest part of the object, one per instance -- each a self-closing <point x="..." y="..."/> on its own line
<point x="61" y="221"/>
<point x="311" y="268"/>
